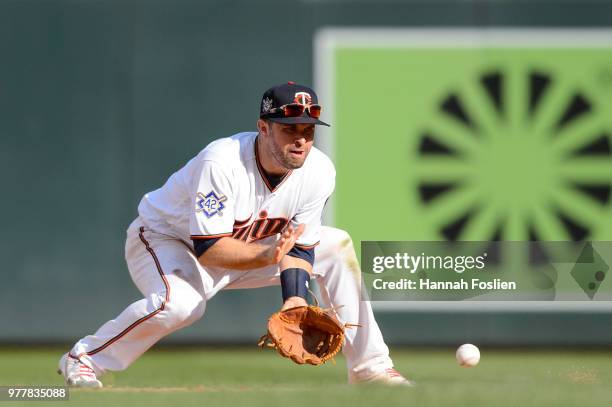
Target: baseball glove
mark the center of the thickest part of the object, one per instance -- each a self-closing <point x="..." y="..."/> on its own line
<point x="307" y="334"/>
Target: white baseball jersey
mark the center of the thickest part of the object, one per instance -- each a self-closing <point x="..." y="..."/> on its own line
<point x="224" y="192"/>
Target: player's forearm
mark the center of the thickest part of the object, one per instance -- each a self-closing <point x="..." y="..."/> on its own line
<point x="295" y="262"/>
<point x="237" y="255"/>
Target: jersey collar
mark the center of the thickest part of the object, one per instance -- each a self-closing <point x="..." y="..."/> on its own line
<point x="262" y="172"/>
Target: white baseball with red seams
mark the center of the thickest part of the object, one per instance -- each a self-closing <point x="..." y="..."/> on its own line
<point x="468" y="355"/>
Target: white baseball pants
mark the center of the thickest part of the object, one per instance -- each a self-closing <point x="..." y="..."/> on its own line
<point x="176" y="288"/>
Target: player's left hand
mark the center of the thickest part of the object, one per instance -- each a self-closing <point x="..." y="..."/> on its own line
<point x="293" y="302"/>
<point x="305" y="334"/>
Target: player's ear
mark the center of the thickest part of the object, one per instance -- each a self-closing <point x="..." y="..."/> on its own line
<point x="263" y="127"/>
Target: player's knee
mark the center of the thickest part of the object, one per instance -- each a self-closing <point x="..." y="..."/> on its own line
<point x="339" y="248"/>
<point x="184" y="310"/>
<point x="339" y="239"/>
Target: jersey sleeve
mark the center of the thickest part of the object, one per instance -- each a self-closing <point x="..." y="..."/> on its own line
<point x="311" y="215"/>
<point x="212" y="200"/>
<point x="304" y="254"/>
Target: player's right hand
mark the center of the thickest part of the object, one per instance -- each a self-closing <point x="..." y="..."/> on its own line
<point x="286" y="242"/>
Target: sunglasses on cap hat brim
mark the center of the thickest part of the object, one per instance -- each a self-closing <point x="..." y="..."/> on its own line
<point x="295" y="113"/>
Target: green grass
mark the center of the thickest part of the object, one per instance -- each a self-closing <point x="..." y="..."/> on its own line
<point x="249" y="377"/>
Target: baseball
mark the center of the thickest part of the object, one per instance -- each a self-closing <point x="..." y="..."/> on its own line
<point x="468" y="355"/>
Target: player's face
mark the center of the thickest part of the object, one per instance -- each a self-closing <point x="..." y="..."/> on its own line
<point x="289" y="144"/>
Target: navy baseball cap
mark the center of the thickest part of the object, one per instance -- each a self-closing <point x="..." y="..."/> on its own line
<point x="289" y="93"/>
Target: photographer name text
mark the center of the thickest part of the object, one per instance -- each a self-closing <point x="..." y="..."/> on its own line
<point x="427" y="284"/>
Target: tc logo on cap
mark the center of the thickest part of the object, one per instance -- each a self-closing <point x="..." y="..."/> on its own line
<point x="303" y="98"/>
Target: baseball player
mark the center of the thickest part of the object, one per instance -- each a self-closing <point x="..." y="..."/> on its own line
<point x="244" y="213"/>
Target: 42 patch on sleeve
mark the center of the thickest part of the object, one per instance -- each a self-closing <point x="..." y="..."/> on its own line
<point x="210" y="204"/>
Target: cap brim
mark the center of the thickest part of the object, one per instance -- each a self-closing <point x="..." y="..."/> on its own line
<point x="298" y="120"/>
